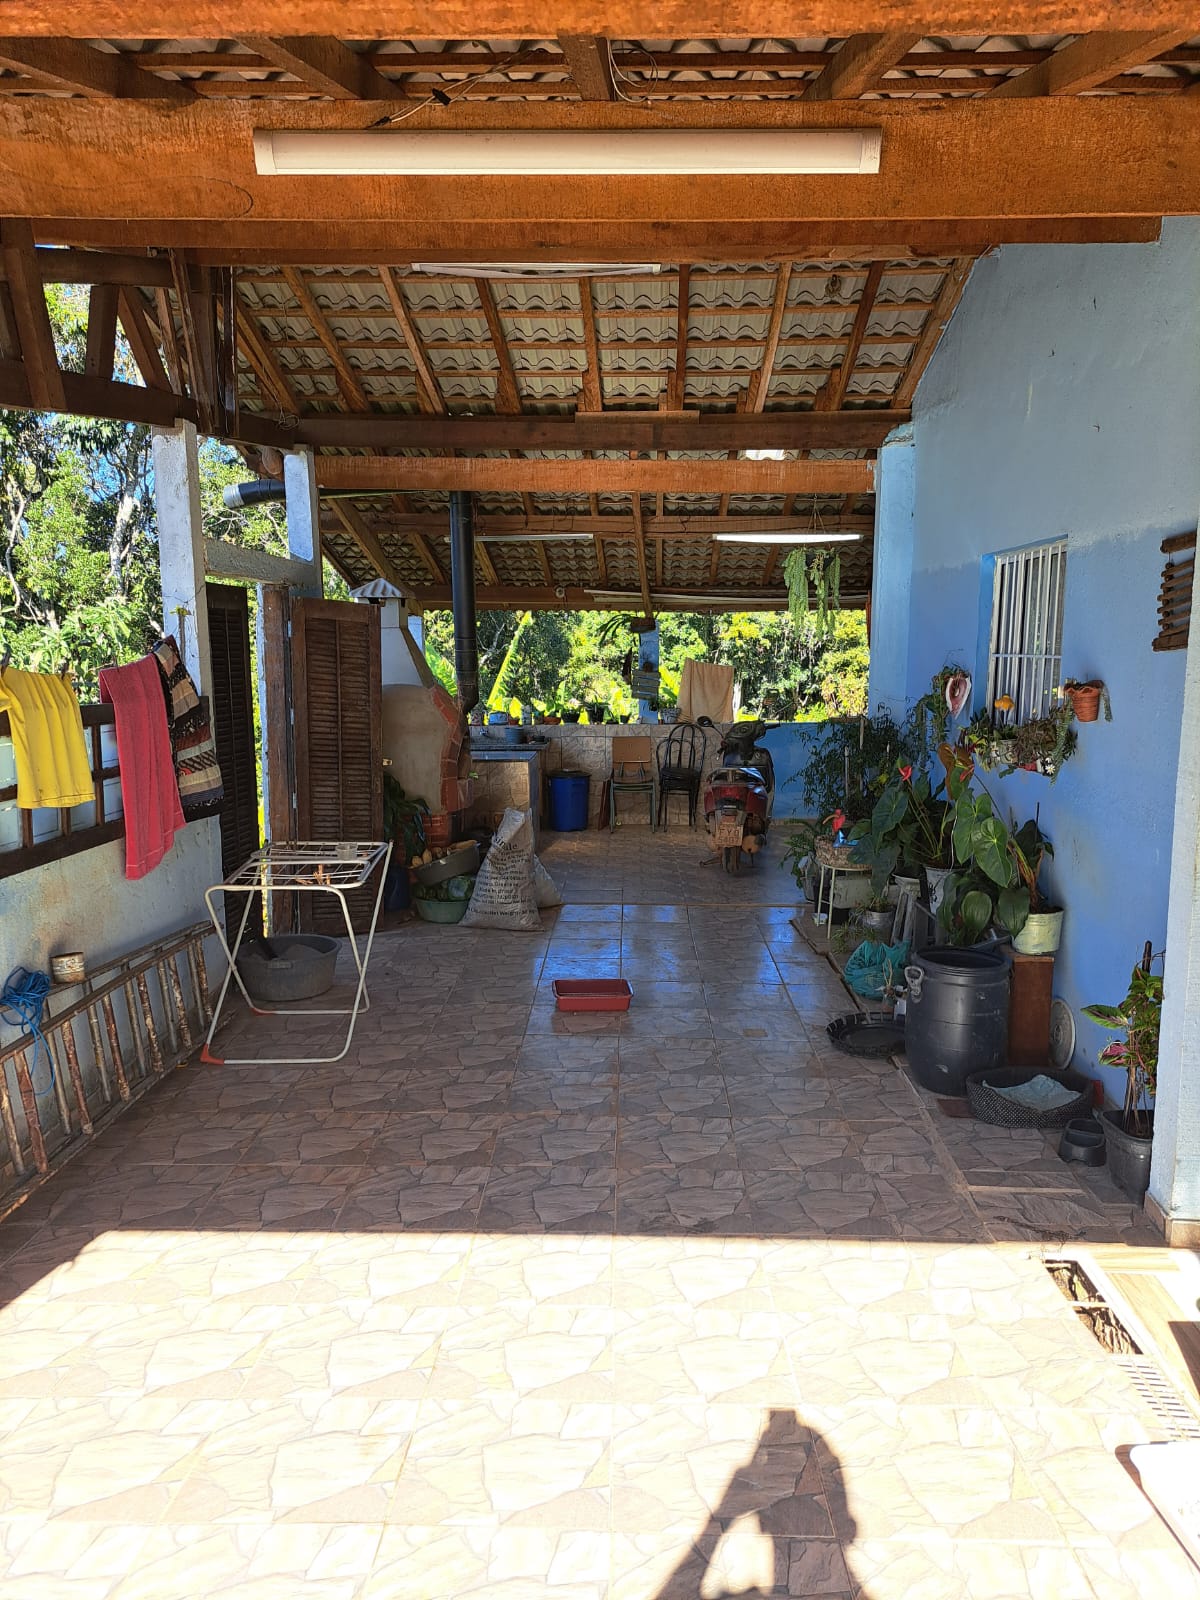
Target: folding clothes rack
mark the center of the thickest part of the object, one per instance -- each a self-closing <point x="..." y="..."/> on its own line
<point x="299" y="867"/>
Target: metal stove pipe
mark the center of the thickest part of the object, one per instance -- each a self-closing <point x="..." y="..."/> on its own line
<point x="462" y="590"/>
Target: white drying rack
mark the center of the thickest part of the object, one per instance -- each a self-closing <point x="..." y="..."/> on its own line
<point x="292" y="866"/>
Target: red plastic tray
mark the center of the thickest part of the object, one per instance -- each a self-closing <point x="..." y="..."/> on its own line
<point x="593" y="994"/>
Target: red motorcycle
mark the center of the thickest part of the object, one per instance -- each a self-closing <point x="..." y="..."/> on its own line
<point x="739" y="794"/>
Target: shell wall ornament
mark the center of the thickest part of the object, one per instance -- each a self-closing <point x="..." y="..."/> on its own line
<point x="958" y="692"/>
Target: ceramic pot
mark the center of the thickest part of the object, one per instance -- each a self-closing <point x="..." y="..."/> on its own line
<point x="1041" y="935"/>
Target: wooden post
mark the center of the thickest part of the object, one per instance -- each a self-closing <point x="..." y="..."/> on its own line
<point x="304" y="518"/>
<point x="181" y="547"/>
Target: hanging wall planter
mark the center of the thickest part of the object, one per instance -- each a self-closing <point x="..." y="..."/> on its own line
<point x="1086" y="699"/>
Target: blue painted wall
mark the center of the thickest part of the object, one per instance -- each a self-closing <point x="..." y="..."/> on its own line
<point x="790" y="745"/>
<point x="1064" y="401"/>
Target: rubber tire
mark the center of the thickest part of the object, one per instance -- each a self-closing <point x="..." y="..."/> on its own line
<point x="733" y="859"/>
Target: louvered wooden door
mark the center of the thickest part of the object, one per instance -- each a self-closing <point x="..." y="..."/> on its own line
<point x="338" y="739"/>
<point x="233" y="730"/>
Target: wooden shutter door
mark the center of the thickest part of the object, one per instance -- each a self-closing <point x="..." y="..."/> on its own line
<point x="233" y="726"/>
<point x="338" y="735"/>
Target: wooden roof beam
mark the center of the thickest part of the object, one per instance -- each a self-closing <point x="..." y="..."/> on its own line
<point x="78" y="68"/>
<point x="639" y="545"/>
<point x="935" y="323"/>
<point x="834" y="392"/>
<point x="356" y="526"/>
<point x="327" y="65"/>
<point x="486" y="473"/>
<point x="100" y="355"/>
<point x="347" y="378"/>
<point x="271" y="377"/>
<point x="593" y="383"/>
<point x="677" y="387"/>
<point x="47" y="391"/>
<point x="589" y="61"/>
<point x="508" y="395"/>
<point x="428" y="390"/>
<point x="861" y="61"/>
<point x="141" y="341"/>
<point x="863" y="428"/>
<point x="1088" y="61"/>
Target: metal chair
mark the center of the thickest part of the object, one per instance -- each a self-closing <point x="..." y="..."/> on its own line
<point x="681" y="758"/>
<point x="632" y="773"/>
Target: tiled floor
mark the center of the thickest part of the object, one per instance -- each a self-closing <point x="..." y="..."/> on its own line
<point x="511" y="1305"/>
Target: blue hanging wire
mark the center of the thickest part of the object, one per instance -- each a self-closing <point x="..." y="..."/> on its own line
<point x="22" y="1002"/>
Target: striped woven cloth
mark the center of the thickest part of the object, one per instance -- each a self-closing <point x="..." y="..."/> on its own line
<point x="197" y="770"/>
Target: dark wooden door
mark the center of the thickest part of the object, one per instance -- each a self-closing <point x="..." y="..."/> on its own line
<point x="233" y="728"/>
<point x="338" y="739"/>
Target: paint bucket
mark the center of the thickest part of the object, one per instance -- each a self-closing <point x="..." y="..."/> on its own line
<point x="1041" y="935"/>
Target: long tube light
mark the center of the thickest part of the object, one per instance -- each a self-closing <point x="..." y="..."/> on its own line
<point x="650" y="151"/>
<point x="786" y="538"/>
<point x="530" y="538"/>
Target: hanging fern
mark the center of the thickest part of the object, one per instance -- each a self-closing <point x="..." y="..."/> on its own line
<point x="795" y="575"/>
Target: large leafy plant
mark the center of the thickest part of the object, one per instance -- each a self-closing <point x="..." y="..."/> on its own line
<point x="1138" y="1016"/>
<point x="908" y="826"/>
<point x="996" y="867"/>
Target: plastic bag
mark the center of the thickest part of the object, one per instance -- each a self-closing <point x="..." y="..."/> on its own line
<point x="874" y="968"/>
<point x="545" y="890"/>
<point x="504" y="895"/>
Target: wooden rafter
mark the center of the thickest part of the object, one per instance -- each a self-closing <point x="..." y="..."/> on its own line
<point x="593" y="384"/>
<point x="355" y="525"/>
<point x="428" y="390"/>
<point x="76" y="67"/>
<point x="508" y="396"/>
<point x="743" y="402"/>
<point x="512" y="527"/>
<point x="271" y="378"/>
<point x="168" y="339"/>
<point x="327" y="65"/>
<point x="589" y="61"/>
<point x="783" y="278"/>
<point x="938" y="316"/>
<point x="347" y="378"/>
<point x="418" y="473"/>
<point x="834" y="392"/>
<point x="101" y="331"/>
<point x="141" y="341"/>
<point x="677" y="387"/>
<point x="859" y="64"/>
<point x="28" y="300"/>
<point x="1087" y="62"/>
<point x="639" y="546"/>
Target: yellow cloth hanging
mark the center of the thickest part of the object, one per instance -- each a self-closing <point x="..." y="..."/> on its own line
<point x="48" y="743"/>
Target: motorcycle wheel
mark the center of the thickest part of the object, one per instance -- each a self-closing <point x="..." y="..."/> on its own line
<point x="733" y="858"/>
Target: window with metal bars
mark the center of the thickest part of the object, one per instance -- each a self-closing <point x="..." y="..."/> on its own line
<point x="1025" y="652"/>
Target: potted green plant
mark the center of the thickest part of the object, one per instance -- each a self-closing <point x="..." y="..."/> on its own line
<point x="1130" y="1131"/>
<point x="995" y="881"/>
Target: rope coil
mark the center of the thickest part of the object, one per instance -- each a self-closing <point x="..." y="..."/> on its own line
<point x="22" y="1004"/>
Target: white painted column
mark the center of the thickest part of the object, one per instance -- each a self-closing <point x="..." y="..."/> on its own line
<point x="304" y="517"/>
<point x="181" y="546"/>
<point x="1175" y="1173"/>
<point x="891" y="580"/>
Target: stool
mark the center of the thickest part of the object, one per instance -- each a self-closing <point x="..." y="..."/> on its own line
<point x="831" y="870"/>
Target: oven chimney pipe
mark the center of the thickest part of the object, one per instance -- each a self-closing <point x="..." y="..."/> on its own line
<point x="462" y="590"/>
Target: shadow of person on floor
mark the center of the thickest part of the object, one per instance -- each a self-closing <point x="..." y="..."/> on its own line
<point x="779" y="1528"/>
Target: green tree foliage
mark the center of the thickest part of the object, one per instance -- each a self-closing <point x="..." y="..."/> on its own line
<point x="79" y="575"/>
<point x="786" y="668"/>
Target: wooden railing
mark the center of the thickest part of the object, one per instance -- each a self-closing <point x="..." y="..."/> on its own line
<point x="100" y="1053"/>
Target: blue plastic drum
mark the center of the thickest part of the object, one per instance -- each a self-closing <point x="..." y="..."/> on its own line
<point x="569" y="802"/>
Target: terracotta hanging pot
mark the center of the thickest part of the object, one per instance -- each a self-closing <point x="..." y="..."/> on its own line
<point x="1085" y="700"/>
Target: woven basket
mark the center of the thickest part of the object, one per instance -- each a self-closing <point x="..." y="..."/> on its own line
<point x="1001" y="1112"/>
<point x="836" y="855"/>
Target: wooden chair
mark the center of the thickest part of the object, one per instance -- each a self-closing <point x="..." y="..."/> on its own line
<point x="680" y="768"/>
<point x="632" y="773"/>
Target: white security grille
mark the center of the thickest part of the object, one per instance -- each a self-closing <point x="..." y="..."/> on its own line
<point x="1025" y="658"/>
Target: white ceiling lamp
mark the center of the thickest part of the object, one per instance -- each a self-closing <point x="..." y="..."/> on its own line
<point x="764" y="455"/>
<point x="538" y="269"/>
<point x="529" y="538"/>
<point x="646" y="152"/>
<point x="786" y="538"/>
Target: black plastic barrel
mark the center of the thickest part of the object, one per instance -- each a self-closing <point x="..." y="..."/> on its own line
<point x="956" y="1019"/>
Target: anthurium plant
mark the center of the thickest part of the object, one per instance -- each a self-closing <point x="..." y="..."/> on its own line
<point x="1138" y="1016"/>
<point x="996" y="867"/>
<point x="909" y="826"/>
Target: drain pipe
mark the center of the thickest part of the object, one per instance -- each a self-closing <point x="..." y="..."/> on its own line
<point x="462" y="589"/>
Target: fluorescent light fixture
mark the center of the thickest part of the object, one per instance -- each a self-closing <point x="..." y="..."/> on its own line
<point x="538" y="269"/>
<point x="644" y="152"/>
<point x="786" y="538"/>
<point x="765" y="455"/>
